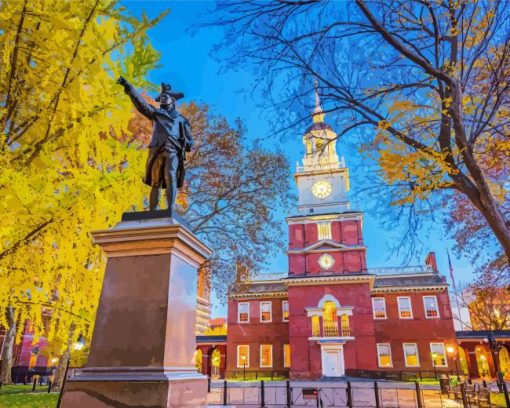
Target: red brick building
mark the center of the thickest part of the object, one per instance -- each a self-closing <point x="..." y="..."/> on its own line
<point x="331" y="315"/>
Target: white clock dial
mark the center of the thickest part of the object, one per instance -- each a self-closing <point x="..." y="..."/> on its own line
<point x="326" y="261"/>
<point x="322" y="189"/>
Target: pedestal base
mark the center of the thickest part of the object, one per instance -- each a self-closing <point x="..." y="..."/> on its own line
<point x="135" y="389"/>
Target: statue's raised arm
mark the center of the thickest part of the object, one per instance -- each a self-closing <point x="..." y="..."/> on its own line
<point x="141" y="104"/>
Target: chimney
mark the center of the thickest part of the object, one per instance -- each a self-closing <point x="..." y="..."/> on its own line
<point x="431" y="260"/>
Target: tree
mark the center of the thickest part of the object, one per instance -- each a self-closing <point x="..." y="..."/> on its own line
<point x="232" y="193"/>
<point x="423" y="84"/>
<point x="488" y="305"/>
<point x="63" y="171"/>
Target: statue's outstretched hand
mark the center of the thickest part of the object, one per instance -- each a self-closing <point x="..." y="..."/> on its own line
<point x="122" y="81"/>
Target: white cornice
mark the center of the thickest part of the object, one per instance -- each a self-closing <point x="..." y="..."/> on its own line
<point x="421" y="288"/>
<point x="326" y="280"/>
<point x="312" y="219"/>
<point x="248" y="295"/>
<point x="333" y="246"/>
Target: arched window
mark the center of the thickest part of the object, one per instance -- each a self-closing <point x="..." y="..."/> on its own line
<point x="198" y="360"/>
<point x="462" y="360"/>
<point x="329" y="320"/>
<point x="482" y="360"/>
<point x="215" y="363"/>
<point x="316" y="326"/>
<point x="504" y="360"/>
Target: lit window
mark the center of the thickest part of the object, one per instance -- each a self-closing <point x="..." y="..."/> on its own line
<point x="411" y="355"/>
<point x="266" y="355"/>
<point x="286" y="355"/>
<point x="384" y="355"/>
<point x="285" y="311"/>
<point x="265" y="311"/>
<point x="329" y="320"/>
<point x="405" y="310"/>
<point x="243" y="312"/>
<point x="316" y="326"/>
<point x="324" y="230"/>
<point x="243" y="356"/>
<point x="379" y="308"/>
<point x="431" y="308"/>
<point x="438" y="355"/>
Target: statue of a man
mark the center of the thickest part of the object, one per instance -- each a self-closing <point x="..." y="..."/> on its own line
<point x="171" y="139"/>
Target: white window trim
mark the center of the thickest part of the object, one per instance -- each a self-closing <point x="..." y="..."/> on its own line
<point x="283" y="316"/>
<point x="260" y="356"/>
<point x="444" y="355"/>
<point x="270" y="312"/>
<point x="410" y="307"/>
<point x="425" y="307"/>
<point x="379" y="356"/>
<point x="385" y="311"/>
<point x="286" y="366"/>
<point x="239" y="364"/>
<point x="239" y="313"/>
<point x="417" y="354"/>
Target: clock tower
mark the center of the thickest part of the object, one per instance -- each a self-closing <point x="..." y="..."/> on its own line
<point x="322" y="179"/>
<point x="325" y="236"/>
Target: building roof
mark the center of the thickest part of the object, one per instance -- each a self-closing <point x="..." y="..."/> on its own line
<point x="318" y="126"/>
<point x="409" y="280"/>
<point x="258" y="287"/>
<point x="211" y="339"/>
<point x="217" y="321"/>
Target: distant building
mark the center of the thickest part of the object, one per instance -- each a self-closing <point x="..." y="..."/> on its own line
<point x="203" y="300"/>
<point x="331" y="315"/>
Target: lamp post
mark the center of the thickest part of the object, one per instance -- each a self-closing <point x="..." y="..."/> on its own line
<point x="494" y="348"/>
<point x="451" y="351"/>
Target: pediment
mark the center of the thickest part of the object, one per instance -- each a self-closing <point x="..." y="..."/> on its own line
<point x="325" y="245"/>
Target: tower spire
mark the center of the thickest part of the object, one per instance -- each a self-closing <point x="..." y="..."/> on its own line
<point x="318" y="114"/>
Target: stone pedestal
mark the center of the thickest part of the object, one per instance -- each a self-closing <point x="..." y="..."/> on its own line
<point x="142" y="351"/>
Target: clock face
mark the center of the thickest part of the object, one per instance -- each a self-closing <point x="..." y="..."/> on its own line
<point x="322" y="189"/>
<point x="326" y="261"/>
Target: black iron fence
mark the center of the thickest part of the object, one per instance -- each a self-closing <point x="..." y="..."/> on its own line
<point x="286" y="394"/>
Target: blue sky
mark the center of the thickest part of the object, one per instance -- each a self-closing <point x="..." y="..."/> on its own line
<point x="186" y="63"/>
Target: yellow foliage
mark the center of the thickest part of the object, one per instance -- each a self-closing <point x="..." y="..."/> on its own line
<point x="64" y="171"/>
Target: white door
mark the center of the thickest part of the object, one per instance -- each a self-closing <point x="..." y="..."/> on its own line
<point x="333" y="361"/>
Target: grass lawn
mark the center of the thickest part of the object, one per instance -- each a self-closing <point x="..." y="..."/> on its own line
<point x="22" y="396"/>
<point x="498" y="399"/>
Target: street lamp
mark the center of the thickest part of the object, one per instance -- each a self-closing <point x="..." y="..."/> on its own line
<point x="494" y="348"/>
<point x="434" y="356"/>
<point x="451" y="351"/>
<point x="243" y="358"/>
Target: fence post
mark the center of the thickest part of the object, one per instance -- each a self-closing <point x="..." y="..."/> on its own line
<point x="289" y="396"/>
<point x="262" y="394"/>
<point x="208" y="384"/>
<point x="418" y="395"/>
<point x="49" y="386"/>
<point x="376" y="391"/>
<point x="349" y="394"/>
<point x="35" y="383"/>
<point x="464" y="396"/>
<point x="225" y="393"/>
<point x="505" y="393"/>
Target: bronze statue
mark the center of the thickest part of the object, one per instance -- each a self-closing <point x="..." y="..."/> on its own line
<point x="171" y="139"/>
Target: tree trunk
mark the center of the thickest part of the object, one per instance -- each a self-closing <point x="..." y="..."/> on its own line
<point x="7" y="351"/>
<point x="61" y="369"/>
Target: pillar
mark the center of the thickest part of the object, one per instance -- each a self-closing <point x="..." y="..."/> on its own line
<point x="142" y="350"/>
